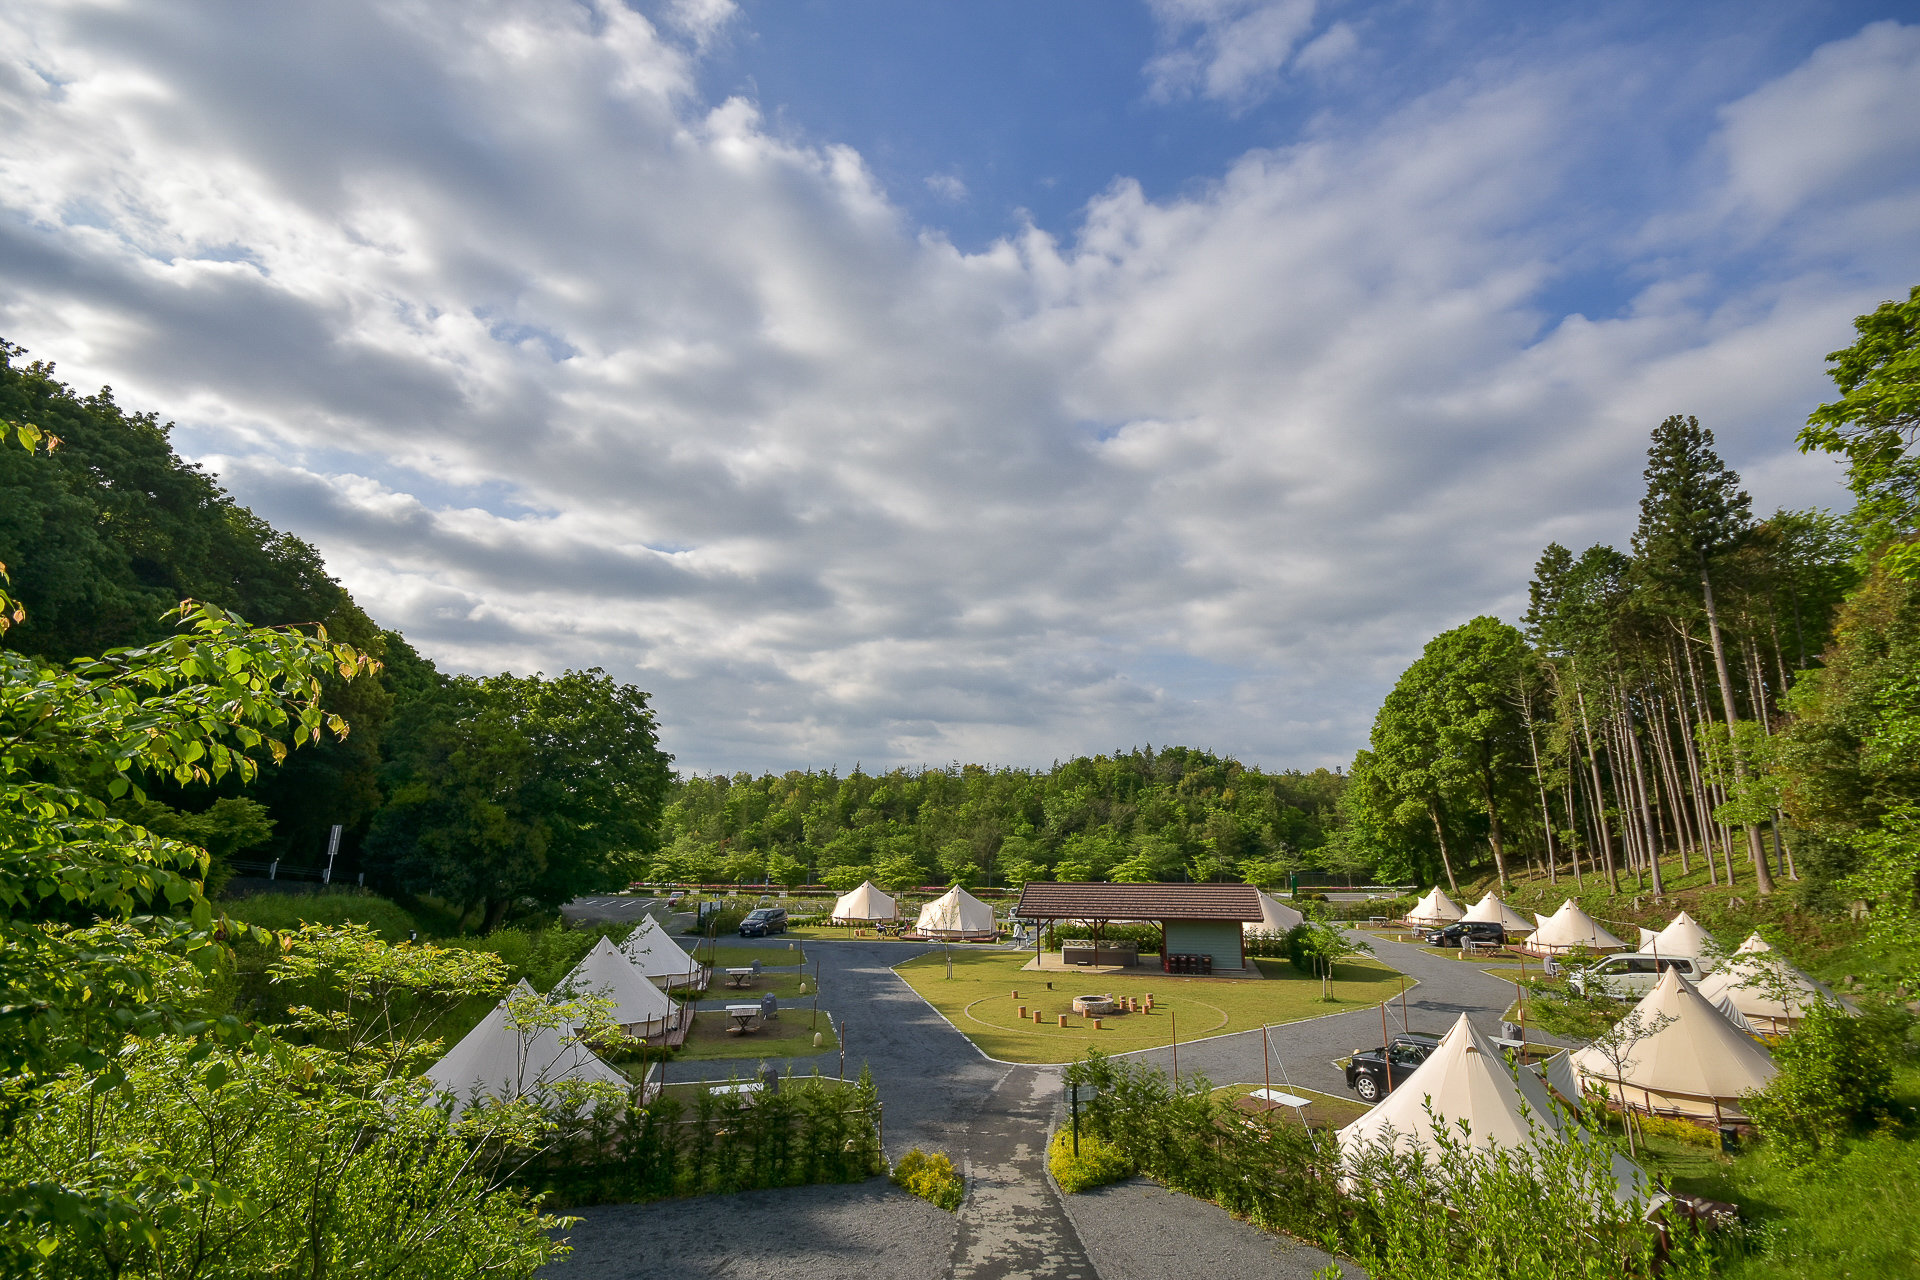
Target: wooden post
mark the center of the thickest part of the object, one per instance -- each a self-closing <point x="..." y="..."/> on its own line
<point x="1173" y="1026"/>
<point x="1386" y="1045"/>
<point x="1266" y="1068"/>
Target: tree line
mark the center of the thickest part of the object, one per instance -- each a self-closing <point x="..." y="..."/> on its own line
<point x="479" y="792"/>
<point x="1731" y="697"/>
<point x="1142" y="815"/>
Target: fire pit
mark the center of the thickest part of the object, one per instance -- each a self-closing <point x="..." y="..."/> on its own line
<point x="1096" y="1006"/>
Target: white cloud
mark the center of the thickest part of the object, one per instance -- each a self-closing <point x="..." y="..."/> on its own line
<point x="1234" y="50"/>
<point x="558" y="366"/>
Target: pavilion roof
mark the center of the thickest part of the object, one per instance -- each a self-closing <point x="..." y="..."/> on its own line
<point x="1053" y="900"/>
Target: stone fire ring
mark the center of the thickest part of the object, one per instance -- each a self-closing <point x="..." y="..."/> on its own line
<point x="1096" y="1006"/>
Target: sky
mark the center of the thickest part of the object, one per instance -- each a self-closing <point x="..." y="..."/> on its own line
<point x="967" y="380"/>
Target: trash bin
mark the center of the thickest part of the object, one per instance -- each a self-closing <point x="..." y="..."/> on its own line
<point x="1729" y="1139"/>
<point x="769" y="1007"/>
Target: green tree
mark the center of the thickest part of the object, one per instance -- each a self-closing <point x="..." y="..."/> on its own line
<point x="513" y="788"/>
<point x="1873" y="423"/>
<point x="1694" y="514"/>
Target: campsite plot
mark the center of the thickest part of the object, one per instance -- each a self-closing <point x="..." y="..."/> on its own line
<point x="978" y="1001"/>
<point x="788" y="1036"/>
<point x="728" y="955"/>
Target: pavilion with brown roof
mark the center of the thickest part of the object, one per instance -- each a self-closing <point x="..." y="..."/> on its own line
<point x="1194" y="919"/>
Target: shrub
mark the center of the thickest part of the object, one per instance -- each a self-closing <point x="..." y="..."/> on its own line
<point x="932" y="1177"/>
<point x="1676" y="1130"/>
<point x="1836" y="1079"/>
<point x="1099" y="1162"/>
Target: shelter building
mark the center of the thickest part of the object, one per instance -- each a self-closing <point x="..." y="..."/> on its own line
<point x="864" y="905"/>
<point x="1435" y="909"/>
<point x="958" y="915"/>
<point x="1194" y="919"/>
<point x="1696" y="1064"/>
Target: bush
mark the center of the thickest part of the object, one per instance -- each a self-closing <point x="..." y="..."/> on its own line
<point x="1836" y="1080"/>
<point x="1099" y="1162"/>
<point x="932" y="1177"/>
<point x="1676" y="1131"/>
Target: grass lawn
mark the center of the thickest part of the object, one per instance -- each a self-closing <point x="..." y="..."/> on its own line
<point x="784" y="986"/>
<point x="978" y="1000"/>
<point x="1323" y="1110"/>
<point x="734" y="956"/>
<point x="788" y="1036"/>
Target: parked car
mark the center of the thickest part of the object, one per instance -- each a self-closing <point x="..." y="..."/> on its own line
<point x="1468" y="930"/>
<point x="1628" y="977"/>
<point x="675" y="896"/>
<point x="1375" y="1073"/>
<point x="766" y="920"/>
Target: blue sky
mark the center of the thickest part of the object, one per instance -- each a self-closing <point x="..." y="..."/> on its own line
<point x="981" y="381"/>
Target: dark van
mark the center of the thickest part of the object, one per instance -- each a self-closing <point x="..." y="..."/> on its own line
<point x="766" y="920"/>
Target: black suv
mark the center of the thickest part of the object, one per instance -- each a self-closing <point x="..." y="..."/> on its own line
<point x="1469" y="930"/>
<point x="766" y="920"/>
<point x="1375" y="1073"/>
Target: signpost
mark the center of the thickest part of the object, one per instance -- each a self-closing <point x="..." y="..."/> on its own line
<point x="1073" y="1101"/>
<point x="333" y="851"/>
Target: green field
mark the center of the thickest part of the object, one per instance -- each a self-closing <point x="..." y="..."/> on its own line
<point x="789" y="1036"/>
<point x="733" y="955"/>
<point x="783" y="986"/>
<point x="978" y="1000"/>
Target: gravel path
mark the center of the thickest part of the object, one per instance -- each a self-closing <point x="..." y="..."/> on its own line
<point x="1139" y="1230"/>
<point x="866" y="1231"/>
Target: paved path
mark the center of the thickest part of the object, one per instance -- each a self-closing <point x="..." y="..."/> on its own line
<point x="1012" y="1223"/>
<point x="940" y="1093"/>
<point x="1304" y="1052"/>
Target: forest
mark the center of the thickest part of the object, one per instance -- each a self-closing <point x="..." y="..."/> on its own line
<point x="1143" y="815"/>
<point x="487" y="795"/>
<point x="1732" y="694"/>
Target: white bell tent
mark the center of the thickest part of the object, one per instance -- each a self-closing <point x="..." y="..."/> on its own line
<point x="665" y="962"/>
<point x="502" y="1060"/>
<point x="1490" y="910"/>
<point x="1682" y="937"/>
<point x="1434" y="909"/>
<point x="956" y="914"/>
<point x="1696" y="1064"/>
<point x="1569" y="929"/>
<point x="1770" y="993"/>
<point x="639" y="1007"/>
<point x="864" y="905"/>
<point x="1467" y="1080"/>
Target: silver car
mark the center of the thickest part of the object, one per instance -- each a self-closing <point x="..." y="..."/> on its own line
<point x="1630" y="976"/>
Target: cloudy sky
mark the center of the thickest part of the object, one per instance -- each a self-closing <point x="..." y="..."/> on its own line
<point x="972" y="379"/>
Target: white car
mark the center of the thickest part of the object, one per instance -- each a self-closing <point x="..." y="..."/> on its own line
<point x="1628" y="977"/>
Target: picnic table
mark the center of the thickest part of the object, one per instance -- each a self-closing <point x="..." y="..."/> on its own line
<point x="744" y="1016"/>
<point x="742" y="976"/>
<point x="1471" y="948"/>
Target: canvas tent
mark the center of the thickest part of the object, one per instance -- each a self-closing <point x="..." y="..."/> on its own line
<point x="1570" y="928"/>
<point x="1466" y="1079"/>
<point x="1562" y="1082"/>
<point x="1276" y="917"/>
<point x="1493" y="911"/>
<point x="639" y="1007"/>
<point x="665" y="962"/>
<point x="864" y="905"/>
<point x="956" y="914"/>
<point x="500" y="1059"/>
<point x="1698" y="1064"/>
<point x="1753" y="943"/>
<point x="1434" y="909"/>
<point x="1682" y="937"/>
<point x="1770" y="993"/>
